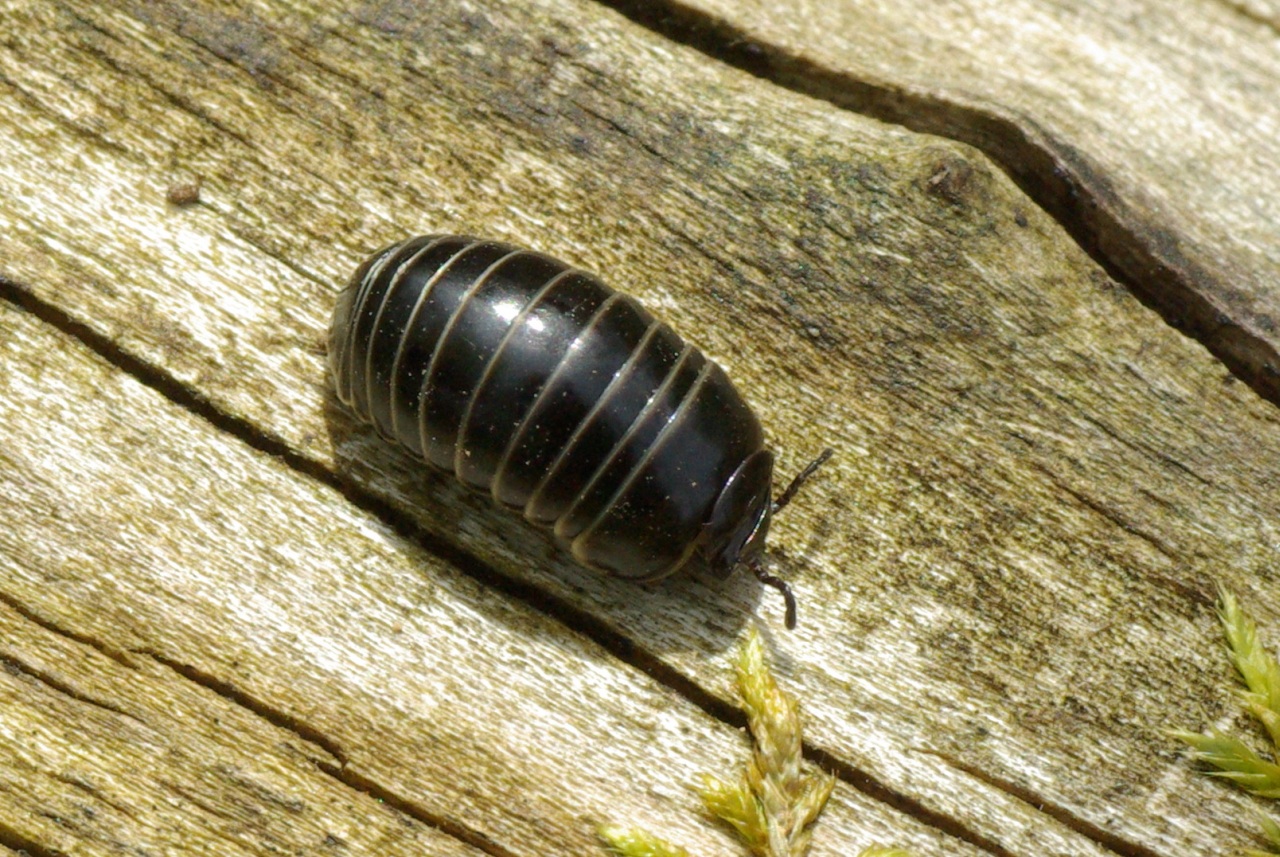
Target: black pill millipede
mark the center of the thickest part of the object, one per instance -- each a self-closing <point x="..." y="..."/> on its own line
<point x="563" y="399"/>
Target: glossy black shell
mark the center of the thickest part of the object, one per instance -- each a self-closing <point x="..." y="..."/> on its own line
<point x="559" y="397"/>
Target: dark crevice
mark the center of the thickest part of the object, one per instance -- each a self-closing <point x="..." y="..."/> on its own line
<point x="468" y="835"/>
<point x="908" y="806"/>
<point x="336" y="766"/>
<point x="230" y="692"/>
<point x="116" y="655"/>
<point x="1100" y="835"/>
<point x="1142" y="449"/>
<point x="1059" y="178"/>
<point x="15" y="666"/>
<point x="1110" y="515"/>
<point x="83" y="785"/>
<point x="851" y="776"/>
<point x="21" y="845"/>
<point x="1270" y="21"/>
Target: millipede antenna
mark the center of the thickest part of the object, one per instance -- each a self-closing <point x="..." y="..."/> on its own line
<point x="802" y="477"/>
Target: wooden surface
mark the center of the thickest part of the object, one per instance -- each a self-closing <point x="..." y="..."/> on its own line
<point x="1146" y="127"/>
<point x="235" y="622"/>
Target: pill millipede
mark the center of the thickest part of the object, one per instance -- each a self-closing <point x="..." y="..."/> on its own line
<point x="562" y="399"/>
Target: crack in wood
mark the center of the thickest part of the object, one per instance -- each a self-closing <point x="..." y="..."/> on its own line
<point x="111" y="652"/>
<point x="97" y="794"/>
<point x="1110" y="515"/>
<point x="336" y="769"/>
<point x="17" y="667"/>
<point x="339" y="768"/>
<point x="1100" y="835"/>
<point x="231" y="693"/>
<point x="1140" y="448"/>
<point x="1055" y="175"/>
<point x="23" y="846"/>
<point x="1247" y="11"/>
<point x="874" y="788"/>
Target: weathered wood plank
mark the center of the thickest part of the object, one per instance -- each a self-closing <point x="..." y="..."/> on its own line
<point x="217" y="654"/>
<point x="1005" y="574"/>
<point x="110" y="755"/>
<point x="1149" y="127"/>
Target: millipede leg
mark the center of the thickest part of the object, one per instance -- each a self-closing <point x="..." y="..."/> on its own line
<point x="781" y="585"/>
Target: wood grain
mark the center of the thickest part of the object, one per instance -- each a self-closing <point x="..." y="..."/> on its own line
<point x="223" y="655"/>
<point x="1147" y="127"/>
<point x="1006" y="574"/>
